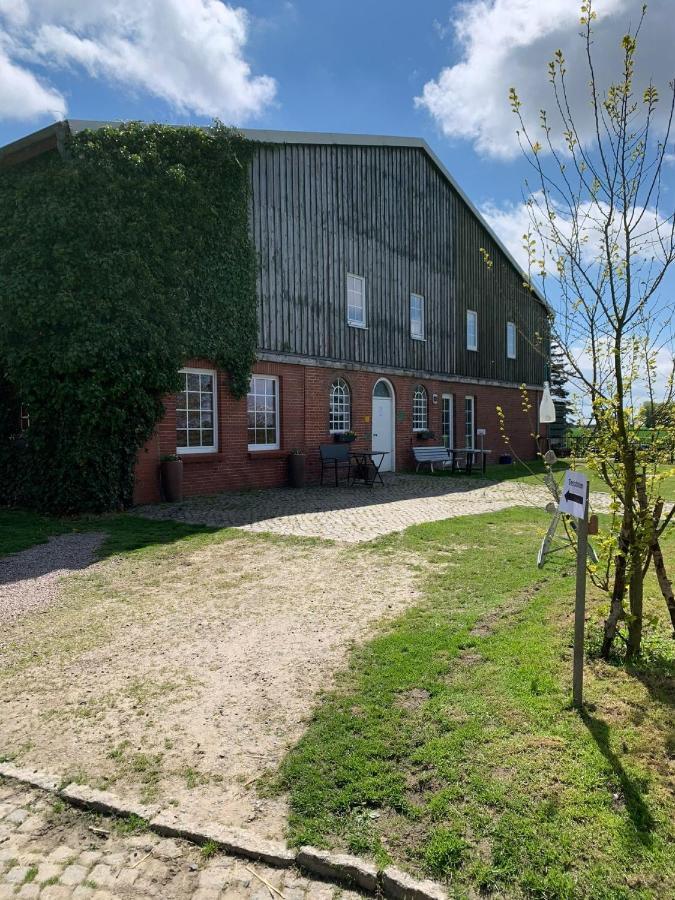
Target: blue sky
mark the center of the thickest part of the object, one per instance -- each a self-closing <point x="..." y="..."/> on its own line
<point x="339" y="66"/>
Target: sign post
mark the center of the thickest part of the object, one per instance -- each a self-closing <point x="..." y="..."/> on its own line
<point x="574" y="500"/>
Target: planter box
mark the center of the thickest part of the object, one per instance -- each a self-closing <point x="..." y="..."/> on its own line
<point x="296" y="470"/>
<point x="172" y="480"/>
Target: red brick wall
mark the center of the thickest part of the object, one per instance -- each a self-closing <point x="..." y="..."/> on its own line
<point x="304" y="392"/>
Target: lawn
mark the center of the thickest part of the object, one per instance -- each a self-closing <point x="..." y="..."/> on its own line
<point x="533" y="473"/>
<point x="450" y="748"/>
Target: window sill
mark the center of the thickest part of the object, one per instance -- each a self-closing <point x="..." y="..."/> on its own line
<point x="414" y="337"/>
<point x="211" y="456"/>
<point x="357" y="325"/>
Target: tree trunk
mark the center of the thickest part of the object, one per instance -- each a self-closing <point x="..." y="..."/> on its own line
<point x="665" y="583"/>
<point x="636" y="587"/>
<point x="635" y="599"/>
<point x="616" y="612"/>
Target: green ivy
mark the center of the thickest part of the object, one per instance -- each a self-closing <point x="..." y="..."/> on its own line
<point x="119" y="258"/>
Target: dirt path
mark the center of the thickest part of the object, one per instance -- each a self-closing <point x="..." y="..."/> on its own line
<point x="182" y="675"/>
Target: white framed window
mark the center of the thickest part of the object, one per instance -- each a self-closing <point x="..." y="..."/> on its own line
<point x="196" y="412"/>
<point x="511" y="340"/>
<point x="471" y="330"/>
<point x="420" y="409"/>
<point x="469" y="423"/>
<point x="262" y="404"/>
<point x="340" y="407"/>
<point x="417" y="317"/>
<point x="356" y="300"/>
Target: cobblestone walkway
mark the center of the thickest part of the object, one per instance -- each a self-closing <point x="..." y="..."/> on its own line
<point x="51" y="851"/>
<point x="358" y="513"/>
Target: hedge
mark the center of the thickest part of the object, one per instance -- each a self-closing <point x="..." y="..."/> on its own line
<point x="119" y="259"/>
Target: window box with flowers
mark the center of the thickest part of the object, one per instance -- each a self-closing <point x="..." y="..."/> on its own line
<point x="344" y="437"/>
<point x="425" y="435"/>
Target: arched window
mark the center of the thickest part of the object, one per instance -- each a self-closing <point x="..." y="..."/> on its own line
<point x="420" y="420"/>
<point x="382" y="390"/>
<point x="340" y="409"/>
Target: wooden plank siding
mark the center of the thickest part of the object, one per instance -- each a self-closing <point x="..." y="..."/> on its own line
<point x="319" y="211"/>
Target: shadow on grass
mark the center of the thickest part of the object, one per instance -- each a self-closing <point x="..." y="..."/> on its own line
<point x="21" y="530"/>
<point x="631" y="790"/>
<point x="128" y="533"/>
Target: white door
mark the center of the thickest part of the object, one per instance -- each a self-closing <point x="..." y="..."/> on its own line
<point x="383" y="424"/>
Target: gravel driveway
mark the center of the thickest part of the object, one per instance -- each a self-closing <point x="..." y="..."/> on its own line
<point x="358" y="513"/>
<point x="30" y="581"/>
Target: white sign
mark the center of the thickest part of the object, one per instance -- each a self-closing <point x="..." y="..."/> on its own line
<point x="574" y="494"/>
<point x="481" y="432"/>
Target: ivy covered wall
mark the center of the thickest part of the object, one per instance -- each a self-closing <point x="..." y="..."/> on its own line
<point x="119" y="258"/>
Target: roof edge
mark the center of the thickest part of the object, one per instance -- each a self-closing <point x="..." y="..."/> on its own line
<point x="57" y="131"/>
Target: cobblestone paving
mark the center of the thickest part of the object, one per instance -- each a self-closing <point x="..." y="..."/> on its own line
<point x="54" y="852"/>
<point x="358" y="513"/>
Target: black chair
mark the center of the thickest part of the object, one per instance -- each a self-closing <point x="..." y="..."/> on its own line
<point x="333" y="456"/>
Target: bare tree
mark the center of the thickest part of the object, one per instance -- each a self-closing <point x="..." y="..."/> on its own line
<point x="601" y="244"/>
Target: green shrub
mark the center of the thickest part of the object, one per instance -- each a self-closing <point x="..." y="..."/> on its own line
<point x="119" y="258"/>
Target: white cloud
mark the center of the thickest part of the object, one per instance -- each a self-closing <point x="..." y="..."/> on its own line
<point x="23" y="95"/>
<point x="508" y="43"/>
<point x="514" y="220"/>
<point x="189" y="53"/>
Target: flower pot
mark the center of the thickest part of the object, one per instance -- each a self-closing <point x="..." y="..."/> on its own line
<point x="296" y="470"/>
<point x="172" y="480"/>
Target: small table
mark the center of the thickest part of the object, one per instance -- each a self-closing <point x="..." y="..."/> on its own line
<point x="365" y="468"/>
<point x="474" y="453"/>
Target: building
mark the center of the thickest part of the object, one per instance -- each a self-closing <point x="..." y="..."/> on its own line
<point x="377" y="313"/>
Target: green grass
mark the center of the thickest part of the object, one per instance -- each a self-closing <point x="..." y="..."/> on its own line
<point x="125" y="533"/>
<point x="450" y="748"/>
<point x="209" y="849"/>
<point x="20" y="530"/>
<point x="533" y="472"/>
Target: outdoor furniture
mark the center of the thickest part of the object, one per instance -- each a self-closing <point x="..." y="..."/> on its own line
<point x="470" y="456"/>
<point x="462" y="460"/>
<point x="431" y="455"/>
<point x="365" y="468"/>
<point x="334" y="457"/>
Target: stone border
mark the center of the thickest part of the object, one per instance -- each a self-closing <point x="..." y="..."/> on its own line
<point x="341" y="868"/>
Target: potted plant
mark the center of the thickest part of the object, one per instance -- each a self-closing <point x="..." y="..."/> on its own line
<point x="345" y="437"/>
<point x="426" y="435"/>
<point x="172" y="477"/>
<point x="296" y="468"/>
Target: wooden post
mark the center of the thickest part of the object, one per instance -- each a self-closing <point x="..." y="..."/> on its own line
<point x="580" y="611"/>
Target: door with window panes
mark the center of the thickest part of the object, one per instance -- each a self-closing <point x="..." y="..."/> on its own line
<point x="446" y="420"/>
<point x="469" y="423"/>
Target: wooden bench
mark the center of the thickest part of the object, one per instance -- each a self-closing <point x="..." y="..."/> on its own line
<point x="431" y="455"/>
<point x="333" y="456"/>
